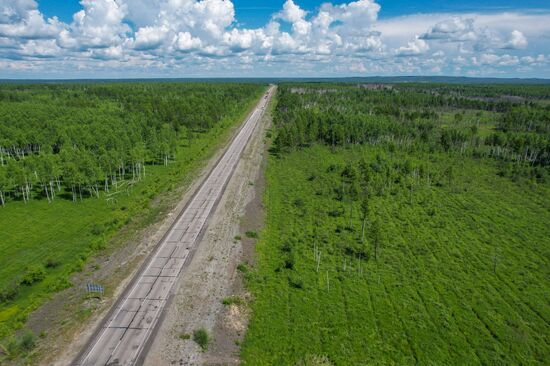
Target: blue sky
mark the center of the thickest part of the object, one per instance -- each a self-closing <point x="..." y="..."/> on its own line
<point x="252" y="14"/>
<point x="203" y="38"/>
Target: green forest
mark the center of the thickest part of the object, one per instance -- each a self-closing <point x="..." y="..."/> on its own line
<point x="406" y="224"/>
<point x="85" y="138"/>
<point x="80" y="162"/>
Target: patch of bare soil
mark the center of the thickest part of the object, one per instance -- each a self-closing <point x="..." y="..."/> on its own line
<point x="212" y="274"/>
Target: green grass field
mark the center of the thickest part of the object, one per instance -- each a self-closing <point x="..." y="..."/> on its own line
<point x="462" y="275"/>
<point x="51" y="241"/>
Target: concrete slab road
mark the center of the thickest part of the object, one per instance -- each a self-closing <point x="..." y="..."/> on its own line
<point x="124" y="333"/>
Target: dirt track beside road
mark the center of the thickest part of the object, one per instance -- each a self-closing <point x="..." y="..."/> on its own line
<point x="212" y="274"/>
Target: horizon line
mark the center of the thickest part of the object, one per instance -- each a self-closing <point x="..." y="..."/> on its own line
<point x="279" y="78"/>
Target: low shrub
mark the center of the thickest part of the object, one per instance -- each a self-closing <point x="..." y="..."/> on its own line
<point x="33" y="274"/>
<point x="233" y="300"/>
<point x="242" y="268"/>
<point x="184" y="336"/>
<point x="296" y="282"/>
<point x="27" y="341"/>
<point x="23" y="344"/>
<point x="314" y="360"/>
<point x="10" y="292"/>
<point x="52" y="263"/>
<point x="97" y="229"/>
<point x="289" y="262"/>
<point x="201" y="337"/>
<point x="251" y="234"/>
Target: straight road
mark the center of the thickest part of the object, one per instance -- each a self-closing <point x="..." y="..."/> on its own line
<point x="125" y="332"/>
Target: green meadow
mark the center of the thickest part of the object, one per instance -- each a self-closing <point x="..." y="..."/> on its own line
<point x="397" y="251"/>
<point x="461" y="275"/>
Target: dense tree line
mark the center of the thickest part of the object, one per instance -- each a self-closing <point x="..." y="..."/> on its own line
<point x="503" y="92"/>
<point x="418" y="118"/>
<point x="87" y="138"/>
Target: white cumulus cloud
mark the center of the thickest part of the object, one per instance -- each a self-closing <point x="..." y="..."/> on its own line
<point x="414" y="48"/>
<point x="98" y="25"/>
<point x="517" y="41"/>
<point x="150" y="37"/>
<point x="455" y="29"/>
<point x="22" y="19"/>
<point x="185" y="42"/>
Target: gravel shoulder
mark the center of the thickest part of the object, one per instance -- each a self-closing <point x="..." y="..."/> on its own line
<point x="212" y="274"/>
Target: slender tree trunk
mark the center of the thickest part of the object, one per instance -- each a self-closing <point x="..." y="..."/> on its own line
<point x="363" y="229"/>
<point x="2" y="200"/>
<point x="52" y="190"/>
<point x="350" y="213"/>
<point x="47" y="194"/>
<point x="318" y="261"/>
<point x="28" y="189"/>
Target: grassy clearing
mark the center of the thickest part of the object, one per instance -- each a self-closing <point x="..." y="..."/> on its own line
<point x="461" y="276"/>
<point x="47" y="242"/>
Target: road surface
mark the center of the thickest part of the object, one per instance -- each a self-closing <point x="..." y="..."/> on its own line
<point x="125" y="332"/>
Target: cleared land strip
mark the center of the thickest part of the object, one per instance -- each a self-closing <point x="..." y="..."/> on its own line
<point x="125" y="332"/>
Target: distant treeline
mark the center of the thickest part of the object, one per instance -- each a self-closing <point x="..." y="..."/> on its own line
<point x="449" y="118"/>
<point x="90" y="137"/>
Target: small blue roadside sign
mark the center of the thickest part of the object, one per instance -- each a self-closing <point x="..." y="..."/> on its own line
<point x="97" y="289"/>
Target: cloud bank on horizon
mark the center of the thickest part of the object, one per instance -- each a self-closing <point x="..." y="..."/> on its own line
<point x="184" y="38"/>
